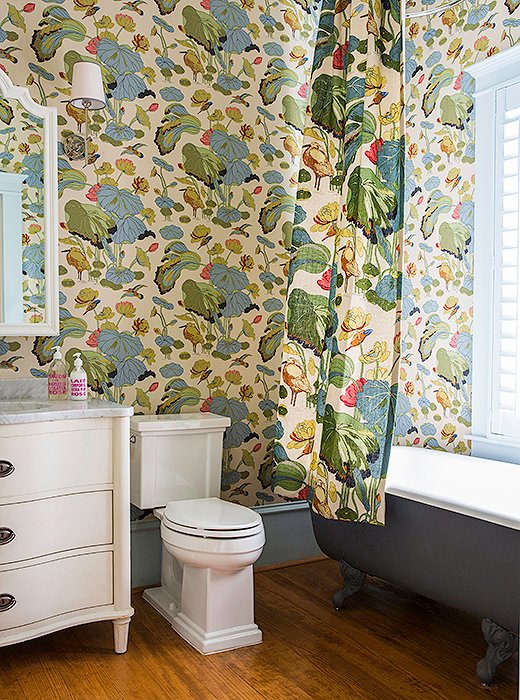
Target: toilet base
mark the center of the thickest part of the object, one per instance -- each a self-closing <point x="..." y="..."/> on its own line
<point x="214" y="642"/>
<point x="162" y="601"/>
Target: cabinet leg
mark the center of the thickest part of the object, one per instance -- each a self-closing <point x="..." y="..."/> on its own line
<point x="121" y="629"/>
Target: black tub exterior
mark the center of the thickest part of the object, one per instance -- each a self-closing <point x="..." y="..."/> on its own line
<point x="465" y="562"/>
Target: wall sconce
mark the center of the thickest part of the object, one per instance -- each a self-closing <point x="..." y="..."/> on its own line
<point x="88" y="94"/>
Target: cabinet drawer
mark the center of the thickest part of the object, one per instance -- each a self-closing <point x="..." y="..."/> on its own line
<point x="41" y="457"/>
<point x="50" y="525"/>
<point x="45" y="590"/>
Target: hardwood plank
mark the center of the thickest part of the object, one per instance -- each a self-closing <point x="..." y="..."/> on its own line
<point x="386" y="645"/>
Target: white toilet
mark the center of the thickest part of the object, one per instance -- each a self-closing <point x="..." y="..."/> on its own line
<point x="209" y="545"/>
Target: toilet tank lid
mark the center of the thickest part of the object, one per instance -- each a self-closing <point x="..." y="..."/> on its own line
<point x="178" y="422"/>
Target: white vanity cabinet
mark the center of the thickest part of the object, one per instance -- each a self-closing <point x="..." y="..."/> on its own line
<point x="64" y="523"/>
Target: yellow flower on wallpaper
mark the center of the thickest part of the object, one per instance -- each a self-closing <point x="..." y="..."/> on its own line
<point x="355" y="320"/>
<point x="374" y="80"/>
<point x="392" y="116"/>
<point x="326" y="215"/>
<point x="303" y="437"/>
<point x="378" y="353"/>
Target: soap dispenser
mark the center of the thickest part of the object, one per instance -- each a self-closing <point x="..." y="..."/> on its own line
<point x="57" y="378"/>
<point x="78" y="380"/>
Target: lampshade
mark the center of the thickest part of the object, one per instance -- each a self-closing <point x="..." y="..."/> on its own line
<point x="87" y="84"/>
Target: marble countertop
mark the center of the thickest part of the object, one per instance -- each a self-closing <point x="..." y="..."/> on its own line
<point x="37" y="410"/>
<point x="25" y="401"/>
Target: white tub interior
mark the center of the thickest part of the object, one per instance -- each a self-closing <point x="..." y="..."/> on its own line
<point x="481" y="488"/>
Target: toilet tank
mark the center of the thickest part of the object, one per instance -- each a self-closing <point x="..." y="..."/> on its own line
<point x="175" y="457"/>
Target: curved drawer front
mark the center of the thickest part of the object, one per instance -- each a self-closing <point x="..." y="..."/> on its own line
<point x="35" y="593"/>
<point x="42" y="457"/>
<point x="50" y="525"/>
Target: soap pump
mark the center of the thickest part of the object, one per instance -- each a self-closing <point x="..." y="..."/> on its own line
<point x="57" y="377"/>
<point x="78" y="380"/>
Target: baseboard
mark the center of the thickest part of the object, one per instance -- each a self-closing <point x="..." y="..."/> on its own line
<point x="288" y="532"/>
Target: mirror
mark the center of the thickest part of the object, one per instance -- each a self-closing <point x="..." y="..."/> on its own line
<point x="28" y="214"/>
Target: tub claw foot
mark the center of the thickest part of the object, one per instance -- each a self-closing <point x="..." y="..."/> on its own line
<point x="354" y="580"/>
<point x="501" y="645"/>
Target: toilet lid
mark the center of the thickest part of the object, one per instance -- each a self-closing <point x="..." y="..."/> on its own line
<point x="212" y="515"/>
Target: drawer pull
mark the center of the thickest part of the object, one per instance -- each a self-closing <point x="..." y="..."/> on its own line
<point x="6" y="535"/>
<point x="7" y="601"/>
<point x="6" y="468"/>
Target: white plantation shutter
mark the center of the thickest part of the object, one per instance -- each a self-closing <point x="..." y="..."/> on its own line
<point x="505" y="389"/>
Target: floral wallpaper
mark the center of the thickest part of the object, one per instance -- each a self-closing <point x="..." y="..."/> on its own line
<point x="438" y="253"/>
<point x="172" y="263"/>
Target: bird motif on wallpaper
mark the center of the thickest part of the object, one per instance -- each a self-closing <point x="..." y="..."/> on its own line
<point x="9" y="363"/>
<point x="447" y="146"/>
<point x="316" y="159"/>
<point x="359" y="337"/>
<point x="241" y="361"/>
<point x="134" y="291"/>
<point x="241" y="99"/>
<point x="446" y="272"/>
<point x="290" y="144"/>
<point x="192" y="334"/>
<point x="88" y="7"/>
<point x="135" y="150"/>
<point x="443" y="399"/>
<point x="348" y="262"/>
<point x="292" y="19"/>
<point x="294" y="376"/>
<point x="77" y="113"/>
<point x="78" y="261"/>
<point x="134" y="6"/>
<point x="192" y="199"/>
<point x="193" y="62"/>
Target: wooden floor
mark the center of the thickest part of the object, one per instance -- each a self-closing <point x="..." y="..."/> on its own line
<point x="386" y="645"/>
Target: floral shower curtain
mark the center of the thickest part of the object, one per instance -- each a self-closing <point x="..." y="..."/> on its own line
<point x="341" y="345"/>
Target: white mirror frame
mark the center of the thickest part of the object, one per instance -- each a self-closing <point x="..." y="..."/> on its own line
<point x="51" y="324"/>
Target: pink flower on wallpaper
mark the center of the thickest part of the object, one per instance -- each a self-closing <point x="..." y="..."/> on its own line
<point x="205" y="271"/>
<point x="92" y="340"/>
<point x="206" y="137"/>
<point x="205" y="4"/>
<point x="456" y="84"/>
<point x="339" y="57"/>
<point x="92" y="45"/>
<point x="324" y="281"/>
<point x="456" y="211"/>
<point x="206" y="405"/>
<point x="153" y="247"/>
<point x="29" y="7"/>
<point x="453" y="341"/>
<point x="303" y="494"/>
<point x="154" y="386"/>
<point x="303" y="90"/>
<point x="349" y="398"/>
<point x="153" y="107"/>
<point x="93" y="193"/>
<point x="374" y="150"/>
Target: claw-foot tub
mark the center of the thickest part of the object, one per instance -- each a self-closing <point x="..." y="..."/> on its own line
<point x="452" y="534"/>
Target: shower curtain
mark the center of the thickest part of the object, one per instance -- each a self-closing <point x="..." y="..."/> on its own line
<point x="341" y="344"/>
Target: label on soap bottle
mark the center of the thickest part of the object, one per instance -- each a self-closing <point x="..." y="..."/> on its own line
<point x="58" y="385"/>
<point x="78" y="389"/>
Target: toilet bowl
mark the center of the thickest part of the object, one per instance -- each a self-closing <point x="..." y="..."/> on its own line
<point x="209" y="545"/>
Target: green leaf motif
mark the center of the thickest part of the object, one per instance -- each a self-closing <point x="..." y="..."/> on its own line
<point x="203" y="164"/>
<point x="294" y="112"/>
<point x="452" y="367"/>
<point x="202" y="299"/>
<point x="88" y="221"/>
<point x="169" y="134"/>
<point x="454" y="239"/>
<point x="289" y="476"/>
<point x="169" y="272"/>
<point x="47" y="40"/>
<point x="6" y="112"/>
<point x="311" y="257"/>
<point x="179" y="395"/>
<point x="166" y="6"/>
<point x="308" y="317"/>
<point x="328" y="98"/>
<point x="203" y="29"/>
<point x="456" y="109"/>
<point x="346" y="444"/>
<point x="341" y="370"/>
<point x="435" y="330"/>
<point x="369" y="202"/>
<point x="97" y="366"/>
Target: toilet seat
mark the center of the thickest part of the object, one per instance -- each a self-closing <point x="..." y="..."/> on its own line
<point x="211" y="518"/>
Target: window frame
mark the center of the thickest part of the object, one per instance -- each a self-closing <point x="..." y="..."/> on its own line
<point x="491" y="75"/>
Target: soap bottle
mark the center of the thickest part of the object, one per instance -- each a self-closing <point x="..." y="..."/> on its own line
<point x="57" y="378"/>
<point x="78" y="380"/>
